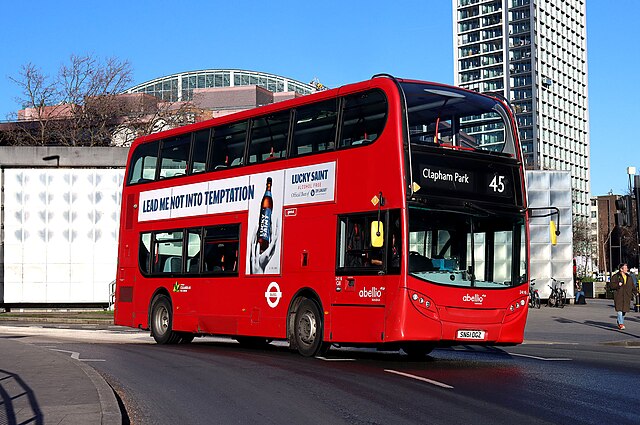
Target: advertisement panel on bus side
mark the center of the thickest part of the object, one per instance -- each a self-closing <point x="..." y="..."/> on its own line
<point x="262" y="195"/>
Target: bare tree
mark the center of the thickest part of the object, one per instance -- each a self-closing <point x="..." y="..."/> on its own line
<point x="78" y="107"/>
<point x="145" y="116"/>
<point x="39" y="92"/>
<point x="585" y="244"/>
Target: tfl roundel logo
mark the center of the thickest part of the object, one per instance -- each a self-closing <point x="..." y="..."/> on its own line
<point x="273" y="295"/>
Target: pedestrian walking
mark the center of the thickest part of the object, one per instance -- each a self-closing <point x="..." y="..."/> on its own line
<point x="623" y="286"/>
<point x="580" y="297"/>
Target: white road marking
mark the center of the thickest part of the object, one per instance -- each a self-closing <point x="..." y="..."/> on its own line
<point x="76" y="356"/>
<point x="420" y="378"/>
<point x="549" y="359"/>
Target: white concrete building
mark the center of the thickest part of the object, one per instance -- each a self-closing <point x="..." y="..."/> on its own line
<point x="534" y="52"/>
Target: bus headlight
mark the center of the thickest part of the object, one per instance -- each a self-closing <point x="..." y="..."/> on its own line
<point x="516" y="306"/>
<point x="421" y="301"/>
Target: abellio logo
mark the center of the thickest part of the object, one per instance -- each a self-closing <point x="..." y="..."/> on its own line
<point x="373" y="293"/>
<point x="475" y="298"/>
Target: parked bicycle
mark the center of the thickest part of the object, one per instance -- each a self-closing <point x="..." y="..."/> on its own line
<point x="558" y="295"/>
<point x="534" y="296"/>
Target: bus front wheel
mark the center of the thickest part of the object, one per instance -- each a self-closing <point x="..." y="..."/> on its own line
<point x="417" y="351"/>
<point x="162" y="321"/>
<point x="186" y="337"/>
<point x="308" y="329"/>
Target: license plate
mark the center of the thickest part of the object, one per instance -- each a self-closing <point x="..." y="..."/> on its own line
<point x="470" y="335"/>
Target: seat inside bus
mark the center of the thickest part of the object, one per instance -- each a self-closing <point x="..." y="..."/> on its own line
<point x="173" y="265"/>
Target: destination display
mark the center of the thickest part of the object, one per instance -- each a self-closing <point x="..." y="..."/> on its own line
<point x="464" y="177"/>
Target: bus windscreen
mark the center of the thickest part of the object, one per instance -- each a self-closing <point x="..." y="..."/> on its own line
<point x="455" y="117"/>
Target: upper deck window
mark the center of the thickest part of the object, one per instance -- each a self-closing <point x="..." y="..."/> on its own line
<point x="314" y="129"/>
<point x="228" y="145"/>
<point x="143" y="163"/>
<point x="363" y="119"/>
<point x="175" y="156"/>
<point x="269" y="137"/>
<point x="311" y="128"/>
<point x="199" y="151"/>
<point x="449" y="116"/>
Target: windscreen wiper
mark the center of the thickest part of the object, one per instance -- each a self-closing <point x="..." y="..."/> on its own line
<point x="472" y="206"/>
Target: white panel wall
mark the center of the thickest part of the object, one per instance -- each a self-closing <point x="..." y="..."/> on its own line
<point x="550" y="188"/>
<point x="61" y="234"/>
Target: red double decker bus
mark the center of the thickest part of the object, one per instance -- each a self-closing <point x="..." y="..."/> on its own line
<point x="388" y="213"/>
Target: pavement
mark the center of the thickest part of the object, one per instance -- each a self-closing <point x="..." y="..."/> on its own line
<point x="41" y="386"/>
<point x="593" y="323"/>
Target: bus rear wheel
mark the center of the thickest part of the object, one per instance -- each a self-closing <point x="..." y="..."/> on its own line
<point x="417" y="351"/>
<point x="185" y="337"/>
<point x="162" y="321"/>
<point x="308" y="329"/>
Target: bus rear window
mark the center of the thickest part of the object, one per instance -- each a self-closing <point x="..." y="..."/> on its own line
<point x="143" y="163"/>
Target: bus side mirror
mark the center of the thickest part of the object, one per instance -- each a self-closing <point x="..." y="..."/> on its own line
<point x="377" y="234"/>
<point x="553" y="231"/>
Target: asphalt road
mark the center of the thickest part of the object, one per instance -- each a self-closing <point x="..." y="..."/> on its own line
<point x="575" y="367"/>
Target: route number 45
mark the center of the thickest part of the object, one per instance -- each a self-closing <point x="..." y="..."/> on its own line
<point x="497" y="184"/>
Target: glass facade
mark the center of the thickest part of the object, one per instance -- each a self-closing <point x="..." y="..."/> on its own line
<point x="534" y="53"/>
<point x="179" y="87"/>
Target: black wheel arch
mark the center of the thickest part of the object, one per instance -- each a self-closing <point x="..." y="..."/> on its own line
<point x="301" y="294"/>
<point x="157" y="292"/>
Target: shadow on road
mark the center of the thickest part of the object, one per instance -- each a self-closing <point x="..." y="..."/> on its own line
<point x="13" y="390"/>
<point x="608" y="326"/>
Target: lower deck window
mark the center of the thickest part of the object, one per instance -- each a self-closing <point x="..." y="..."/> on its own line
<point x="357" y="255"/>
<point x="212" y="250"/>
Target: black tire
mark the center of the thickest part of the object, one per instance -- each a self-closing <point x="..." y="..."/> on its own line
<point x="253" y="341"/>
<point x="551" y="302"/>
<point x="417" y="350"/>
<point x="185" y="337"/>
<point x="162" y="321"/>
<point x="561" y="301"/>
<point x="308" y="329"/>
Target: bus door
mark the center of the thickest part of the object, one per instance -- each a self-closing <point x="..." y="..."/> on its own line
<point x="366" y="272"/>
<point x="217" y="261"/>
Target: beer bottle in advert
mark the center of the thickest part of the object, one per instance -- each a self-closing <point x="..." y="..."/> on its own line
<point x="264" y="224"/>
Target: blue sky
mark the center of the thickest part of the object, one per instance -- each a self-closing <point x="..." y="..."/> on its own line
<point x="338" y="42"/>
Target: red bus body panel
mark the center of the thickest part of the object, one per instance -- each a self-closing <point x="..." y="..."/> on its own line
<point x="366" y="309"/>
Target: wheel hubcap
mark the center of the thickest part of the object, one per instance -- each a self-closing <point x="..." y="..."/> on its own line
<point x="307" y="328"/>
<point x="162" y="320"/>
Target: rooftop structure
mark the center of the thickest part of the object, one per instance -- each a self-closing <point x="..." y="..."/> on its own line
<point x="180" y="87"/>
